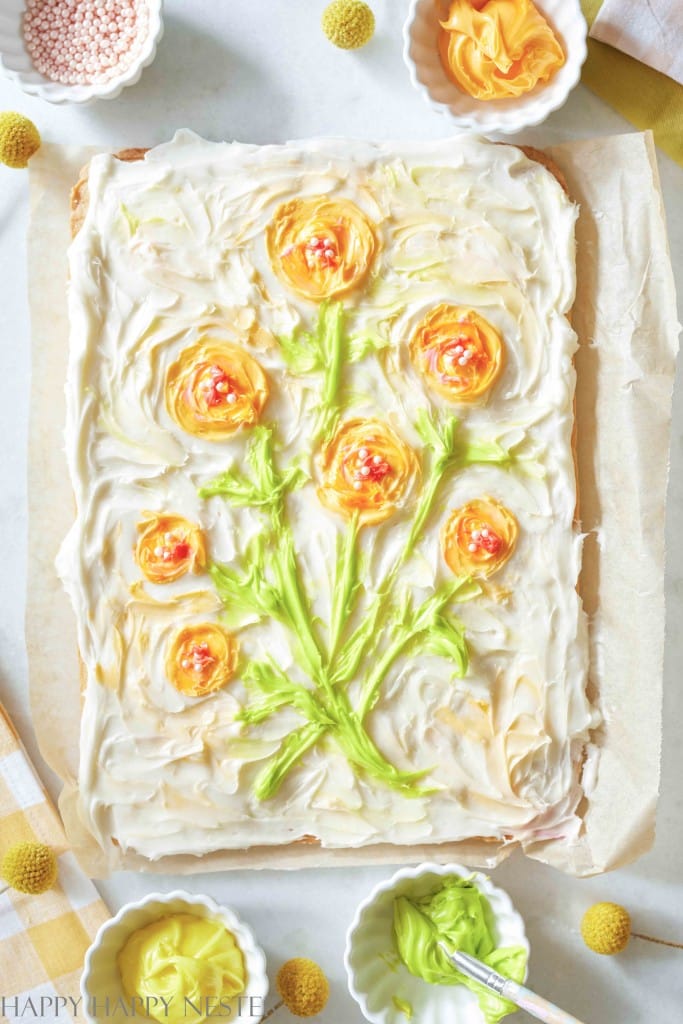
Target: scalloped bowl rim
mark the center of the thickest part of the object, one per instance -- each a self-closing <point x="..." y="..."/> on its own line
<point x="513" y="119"/>
<point x="415" y="872"/>
<point x="60" y="92"/>
<point x="255" y="958"/>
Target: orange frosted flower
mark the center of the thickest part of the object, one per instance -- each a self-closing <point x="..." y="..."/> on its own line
<point x="478" y="539"/>
<point x="367" y="469"/>
<point x="458" y="352"/>
<point x="214" y="388"/>
<point x="201" y="659"/>
<point x="321" y="247"/>
<point x="169" y="546"/>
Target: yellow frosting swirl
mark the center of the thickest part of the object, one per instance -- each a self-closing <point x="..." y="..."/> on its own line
<point x="189" y="962"/>
<point x="459" y="353"/>
<point x="169" y="546"/>
<point x="366" y="469"/>
<point x="214" y="388"/>
<point x="496" y="49"/>
<point x="321" y="247"/>
<point x="201" y="659"/>
<point x="478" y="538"/>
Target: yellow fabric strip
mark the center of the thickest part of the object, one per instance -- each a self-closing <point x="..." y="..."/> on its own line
<point x="644" y="96"/>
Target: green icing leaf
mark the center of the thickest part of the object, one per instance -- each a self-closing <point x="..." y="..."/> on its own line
<point x="363" y="345"/>
<point x="266" y="487"/>
<point x="292" y="750"/>
<point x="438" y="633"/>
<point x="246" y="591"/>
<point x="478" y="451"/>
<point x="281" y="692"/>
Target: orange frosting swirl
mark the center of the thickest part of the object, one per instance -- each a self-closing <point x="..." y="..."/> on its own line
<point x="366" y="469"/>
<point x="201" y="659"/>
<point x="497" y="49"/>
<point x="169" y="546"/>
<point x="478" y="539"/>
<point x="214" y="388"/>
<point x="459" y="353"/>
<point x="321" y="247"/>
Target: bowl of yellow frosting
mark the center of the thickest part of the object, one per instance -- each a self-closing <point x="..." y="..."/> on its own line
<point x="495" y="65"/>
<point x="396" y="969"/>
<point x="173" y="958"/>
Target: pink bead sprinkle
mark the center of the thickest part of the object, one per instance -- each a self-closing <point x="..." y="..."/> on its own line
<point x="79" y="42"/>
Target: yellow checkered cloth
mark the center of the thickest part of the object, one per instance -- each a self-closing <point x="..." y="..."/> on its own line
<point x="43" y="938"/>
<point x="647" y="98"/>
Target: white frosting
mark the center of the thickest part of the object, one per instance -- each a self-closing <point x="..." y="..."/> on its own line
<point x="461" y="221"/>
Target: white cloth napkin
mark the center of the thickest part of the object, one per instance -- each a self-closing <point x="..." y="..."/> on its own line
<point x="649" y="30"/>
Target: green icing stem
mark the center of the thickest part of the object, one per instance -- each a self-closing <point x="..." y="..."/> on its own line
<point x="269" y="585"/>
<point x="346" y="584"/>
<point x="456" y="913"/>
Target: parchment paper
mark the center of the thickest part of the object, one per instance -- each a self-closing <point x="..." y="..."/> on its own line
<point x="625" y="316"/>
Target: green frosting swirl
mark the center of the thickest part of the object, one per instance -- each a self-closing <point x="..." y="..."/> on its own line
<point x="459" y="915"/>
<point x="183" y="959"/>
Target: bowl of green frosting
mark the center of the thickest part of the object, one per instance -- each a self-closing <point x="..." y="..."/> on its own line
<point x="396" y="968"/>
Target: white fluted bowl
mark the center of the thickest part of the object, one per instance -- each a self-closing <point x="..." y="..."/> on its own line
<point x="101" y="976"/>
<point x="16" y="64"/>
<point x="421" y="55"/>
<point x="377" y="976"/>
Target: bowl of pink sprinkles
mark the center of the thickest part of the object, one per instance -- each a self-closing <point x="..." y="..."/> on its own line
<point x="75" y="51"/>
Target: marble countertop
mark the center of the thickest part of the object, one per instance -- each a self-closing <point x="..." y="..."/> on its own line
<point x="261" y="71"/>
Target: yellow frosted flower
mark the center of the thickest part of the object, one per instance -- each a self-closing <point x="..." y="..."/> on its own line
<point x="303" y="987"/>
<point x="606" y="928"/>
<point x="19" y="139"/>
<point x="29" y="867"/>
<point x="349" y="24"/>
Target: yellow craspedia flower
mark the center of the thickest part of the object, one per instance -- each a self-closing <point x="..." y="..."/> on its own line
<point x="29" y="867"/>
<point x="19" y="139"/>
<point x="606" y="928"/>
<point x="349" y="24"/>
<point x="303" y="987"/>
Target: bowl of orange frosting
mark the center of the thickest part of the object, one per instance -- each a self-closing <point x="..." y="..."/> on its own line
<point x="495" y="65"/>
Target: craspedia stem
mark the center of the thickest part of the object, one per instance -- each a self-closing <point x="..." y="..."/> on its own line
<point x="272" y="1011"/>
<point x="660" y="942"/>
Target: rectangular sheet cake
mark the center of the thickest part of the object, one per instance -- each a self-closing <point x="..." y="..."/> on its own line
<point x="325" y="560"/>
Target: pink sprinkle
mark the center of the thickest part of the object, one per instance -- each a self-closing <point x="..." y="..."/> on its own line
<point x="83" y="41"/>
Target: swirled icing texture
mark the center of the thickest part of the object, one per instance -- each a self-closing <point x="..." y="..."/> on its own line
<point x="498" y="49"/>
<point x="463" y="222"/>
<point x="192" y="963"/>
